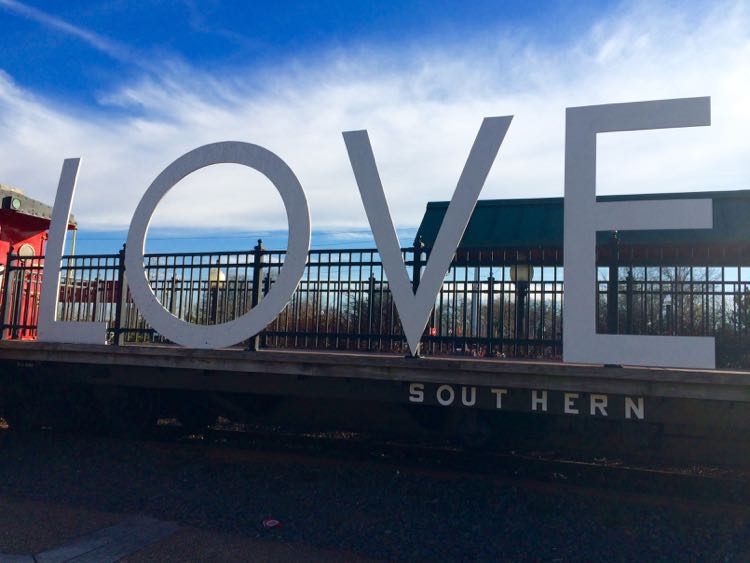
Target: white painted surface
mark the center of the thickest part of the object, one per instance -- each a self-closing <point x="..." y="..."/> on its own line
<point x="570" y="407"/>
<point x="416" y="393"/>
<point x="468" y="396"/>
<point x="49" y="329"/>
<point x="584" y="216"/>
<point x="499" y="393"/>
<point x="538" y="399"/>
<point x="414" y="309"/>
<point x="634" y="409"/>
<point x="298" y="217"/>
<point x="598" y="403"/>
<point x="445" y="395"/>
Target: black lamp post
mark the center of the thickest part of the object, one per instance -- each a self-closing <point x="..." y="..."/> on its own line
<point x="521" y="275"/>
<point x="216" y="279"/>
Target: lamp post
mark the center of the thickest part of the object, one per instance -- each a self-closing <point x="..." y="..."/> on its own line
<point x="521" y="275"/>
<point x="216" y="278"/>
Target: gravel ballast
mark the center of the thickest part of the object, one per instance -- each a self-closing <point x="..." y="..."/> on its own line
<point x="368" y="510"/>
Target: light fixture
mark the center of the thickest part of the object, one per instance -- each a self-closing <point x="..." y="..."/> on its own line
<point x="521" y="273"/>
<point x="216" y="275"/>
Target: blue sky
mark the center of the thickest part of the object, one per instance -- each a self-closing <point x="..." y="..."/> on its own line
<point x="43" y="51"/>
<point x="129" y="86"/>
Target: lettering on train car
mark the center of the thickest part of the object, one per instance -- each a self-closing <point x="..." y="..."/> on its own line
<point x="543" y="401"/>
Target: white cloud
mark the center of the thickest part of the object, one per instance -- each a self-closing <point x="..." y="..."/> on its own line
<point x="98" y="42"/>
<point x="422" y="106"/>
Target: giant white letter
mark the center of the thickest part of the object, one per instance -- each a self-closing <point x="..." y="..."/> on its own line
<point x="298" y="217"/>
<point x="49" y="329"/>
<point x="414" y="309"/>
<point x="584" y="216"/>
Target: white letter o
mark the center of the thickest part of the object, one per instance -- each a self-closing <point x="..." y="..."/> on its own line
<point x="254" y="321"/>
<point x="451" y="395"/>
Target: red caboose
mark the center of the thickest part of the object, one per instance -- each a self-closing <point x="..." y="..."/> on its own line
<point x="24" y="223"/>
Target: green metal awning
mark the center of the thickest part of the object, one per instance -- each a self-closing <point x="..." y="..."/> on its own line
<point x="538" y="223"/>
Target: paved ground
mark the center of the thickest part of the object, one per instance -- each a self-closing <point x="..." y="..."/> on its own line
<point x="54" y="533"/>
<point x="55" y="489"/>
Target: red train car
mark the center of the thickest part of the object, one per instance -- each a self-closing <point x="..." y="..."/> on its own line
<point x="24" y="223"/>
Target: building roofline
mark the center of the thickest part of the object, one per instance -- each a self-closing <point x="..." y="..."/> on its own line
<point x="11" y="196"/>
<point x="618" y="197"/>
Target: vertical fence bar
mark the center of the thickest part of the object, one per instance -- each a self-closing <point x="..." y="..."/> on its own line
<point x="612" y="285"/>
<point x="417" y="265"/>
<point x="121" y="297"/>
<point x="4" y="311"/>
<point x="629" y="283"/>
<point x="490" y="314"/>
<point x="254" y="342"/>
<point x="416" y="276"/>
<point x="266" y="288"/>
<point x="370" y="308"/>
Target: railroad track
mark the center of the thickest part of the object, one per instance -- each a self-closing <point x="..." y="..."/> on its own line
<point x="721" y="488"/>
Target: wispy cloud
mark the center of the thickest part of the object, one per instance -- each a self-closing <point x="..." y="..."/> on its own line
<point x="422" y="106"/>
<point x="114" y="49"/>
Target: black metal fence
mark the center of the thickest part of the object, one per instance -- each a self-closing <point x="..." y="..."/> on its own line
<point x="492" y="303"/>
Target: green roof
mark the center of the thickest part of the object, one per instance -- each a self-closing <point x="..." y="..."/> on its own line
<point x="524" y="223"/>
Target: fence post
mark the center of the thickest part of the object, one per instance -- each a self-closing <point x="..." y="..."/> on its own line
<point x="254" y="343"/>
<point x="490" y="313"/>
<point x="370" y="308"/>
<point x="266" y="288"/>
<point x="173" y="294"/>
<point x="416" y="275"/>
<point x="121" y="297"/>
<point x="4" y="313"/>
<point x="95" y="304"/>
<point x="629" y="302"/>
<point x="613" y="285"/>
<point x="417" y="266"/>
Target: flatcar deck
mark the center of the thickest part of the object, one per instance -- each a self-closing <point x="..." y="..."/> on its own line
<point x="634" y="393"/>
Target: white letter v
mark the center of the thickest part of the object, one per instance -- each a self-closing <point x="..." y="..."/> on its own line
<point x="414" y="309"/>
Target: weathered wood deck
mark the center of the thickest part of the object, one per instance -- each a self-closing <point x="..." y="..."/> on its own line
<point x="239" y="370"/>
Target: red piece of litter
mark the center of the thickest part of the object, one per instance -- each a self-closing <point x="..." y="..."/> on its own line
<point x="271" y="523"/>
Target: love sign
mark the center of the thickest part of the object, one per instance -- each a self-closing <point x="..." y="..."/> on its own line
<point x="584" y="216"/>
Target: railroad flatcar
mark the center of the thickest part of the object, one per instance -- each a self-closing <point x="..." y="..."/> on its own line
<point x="491" y="354"/>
